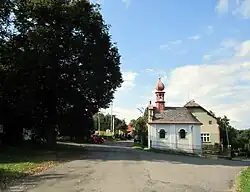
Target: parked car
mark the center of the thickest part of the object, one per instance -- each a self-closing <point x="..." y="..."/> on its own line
<point x="96" y="139"/>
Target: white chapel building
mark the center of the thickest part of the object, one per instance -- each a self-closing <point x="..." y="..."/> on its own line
<point x="172" y="128"/>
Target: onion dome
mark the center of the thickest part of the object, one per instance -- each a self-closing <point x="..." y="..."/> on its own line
<point x="159" y="85"/>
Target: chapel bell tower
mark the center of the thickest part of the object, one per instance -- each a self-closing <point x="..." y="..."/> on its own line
<point x="159" y="92"/>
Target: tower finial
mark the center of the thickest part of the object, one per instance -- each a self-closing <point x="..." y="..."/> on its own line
<point x="159" y="76"/>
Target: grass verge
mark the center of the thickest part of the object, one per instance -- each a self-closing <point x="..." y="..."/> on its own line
<point x="138" y="146"/>
<point x="17" y="163"/>
<point x="243" y="181"/>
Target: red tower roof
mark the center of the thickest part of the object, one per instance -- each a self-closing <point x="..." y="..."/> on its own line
<point x="159" y="85"/>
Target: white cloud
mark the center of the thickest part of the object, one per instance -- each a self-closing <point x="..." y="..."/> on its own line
<point x="242" y="8"/>
<point x="170" y="44"/>
<point x="222" y="6"/>
<point x="235" y="7"/>
<point x="230" y="47"/>
<point x="123" y="113"/>
<point x="127" y="3"/>
<point x="240" y="49"/>
<point x="229" y="43"/>
<point x="195" y="37"/>
<point x="128" y="80"/>
<point x="216" y="87"/>
<point x="222" y="87"/>
<point x="126" y="113"/>
<point x="243" y="49"/>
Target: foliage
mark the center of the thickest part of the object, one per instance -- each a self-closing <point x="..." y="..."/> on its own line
<point x="138" y="146"/>
<point x="133" y="122"/>
<point x="238" y="139"/>
<point x="243" y="181"/>
<point x="141" y="126"/>
<point x="105" y="122"/>
<point x="58" y="66"/>
<point x="141" y="129"/>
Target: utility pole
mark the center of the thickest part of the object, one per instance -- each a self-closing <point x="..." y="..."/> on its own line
<point x="228" y="145"/>
<point x="99" y="126"/>
<point x="111" y="117"/>
<point x="113" y="124"/>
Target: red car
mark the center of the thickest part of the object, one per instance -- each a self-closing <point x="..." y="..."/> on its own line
<point x="96" y="139"/>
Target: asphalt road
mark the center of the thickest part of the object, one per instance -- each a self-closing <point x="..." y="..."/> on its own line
<point x="118" y="168"/>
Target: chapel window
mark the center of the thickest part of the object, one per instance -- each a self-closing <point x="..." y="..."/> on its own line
<point x="162" y="134"/>
<point x="182" y="134"/>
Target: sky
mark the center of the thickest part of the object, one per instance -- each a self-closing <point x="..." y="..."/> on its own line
<point x="200" y="49"/>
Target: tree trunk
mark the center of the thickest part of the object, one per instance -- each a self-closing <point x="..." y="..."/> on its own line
<point x="51" y="121"/>
<point x="51" y="136"/>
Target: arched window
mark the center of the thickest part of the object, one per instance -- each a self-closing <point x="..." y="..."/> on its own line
<point x="162" y="134"/>
<point x="182" y="133"/>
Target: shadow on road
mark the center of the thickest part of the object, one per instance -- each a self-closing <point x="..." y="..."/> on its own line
<point x="114" y="151"/>
<point x="117" y="152"/>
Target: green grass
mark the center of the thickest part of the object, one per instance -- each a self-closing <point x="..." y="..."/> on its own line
<point x="243" y="181"/>
<point x="138" y="146"/>
<point x="20" y="162"/>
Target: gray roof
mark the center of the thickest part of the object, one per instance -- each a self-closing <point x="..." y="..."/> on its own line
<point x="192" y="103"/>
<point x="176" y="115"/>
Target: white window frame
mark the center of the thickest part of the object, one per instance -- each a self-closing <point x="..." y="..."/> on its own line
<point x="205" y="137"/>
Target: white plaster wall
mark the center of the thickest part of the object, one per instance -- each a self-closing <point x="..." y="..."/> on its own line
<point x="187" y="143"/>
<point x="192" y="142"/>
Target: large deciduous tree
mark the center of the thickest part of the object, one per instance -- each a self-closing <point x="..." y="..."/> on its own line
<point x="58" y="61"/>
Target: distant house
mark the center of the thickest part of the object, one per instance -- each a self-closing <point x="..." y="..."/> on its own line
<point x="210" y="132"/>
<point x="130" y="129"/>
<point x="174" y="128"/>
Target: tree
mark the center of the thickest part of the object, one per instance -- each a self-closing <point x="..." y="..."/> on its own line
<point x="105" y="122"/>
<point x="121" y="125"/>
<point x="243" y="139"/>
<point x="140" y="125"/>
<point x="132" y="122"/>
<point x="227" y="132"/>
<point x="59" y="62"/>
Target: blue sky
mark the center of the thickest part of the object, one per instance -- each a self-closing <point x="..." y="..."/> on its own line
<point x="199" y="48"/>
